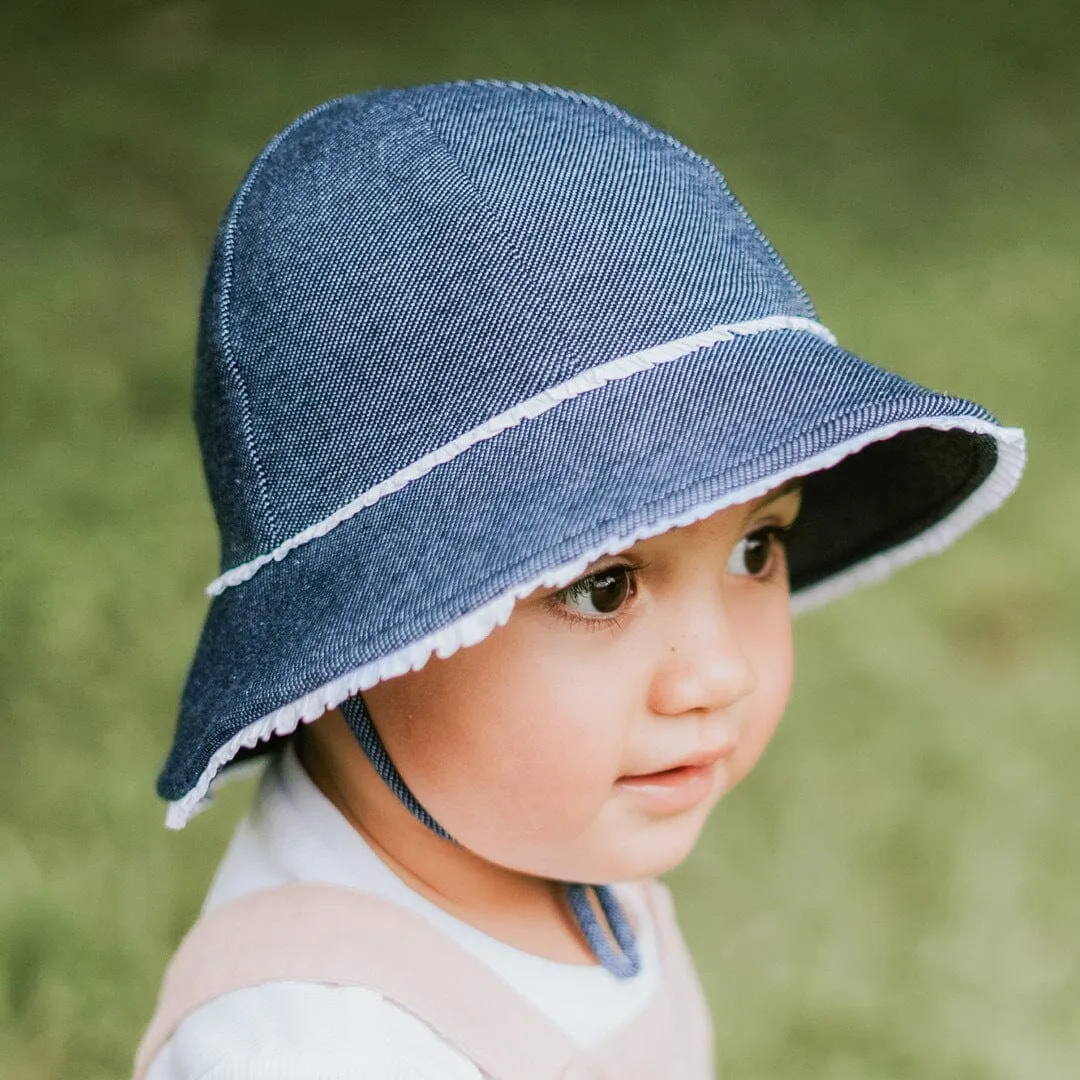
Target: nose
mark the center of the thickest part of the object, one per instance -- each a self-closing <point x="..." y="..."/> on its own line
<point x="701" y="666"/>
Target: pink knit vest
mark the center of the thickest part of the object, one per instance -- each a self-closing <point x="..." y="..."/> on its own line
<point x="343" y="937"/>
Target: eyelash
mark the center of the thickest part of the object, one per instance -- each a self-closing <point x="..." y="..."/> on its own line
<point x="558" y="601"/>
<point x="777" y="535"/>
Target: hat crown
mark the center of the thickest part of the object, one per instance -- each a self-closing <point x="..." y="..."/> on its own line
<point x="400" y="266"/>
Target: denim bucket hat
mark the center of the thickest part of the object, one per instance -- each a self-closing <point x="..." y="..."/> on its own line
<point x="459" y="341"/>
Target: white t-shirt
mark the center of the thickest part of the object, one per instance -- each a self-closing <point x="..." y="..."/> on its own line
<point x="308" y="1030"/>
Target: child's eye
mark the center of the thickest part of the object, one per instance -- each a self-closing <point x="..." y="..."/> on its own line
<point x="755" y="554"/>
<point x="599" y="594"/>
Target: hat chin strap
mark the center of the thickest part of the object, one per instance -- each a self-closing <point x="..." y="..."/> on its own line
<point x="623" y="962"/>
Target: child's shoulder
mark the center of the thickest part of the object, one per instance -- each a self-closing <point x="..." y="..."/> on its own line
<point x="303" y="1030"/>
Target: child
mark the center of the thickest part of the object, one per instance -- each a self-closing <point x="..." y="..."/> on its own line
<point x="507" y="411"/>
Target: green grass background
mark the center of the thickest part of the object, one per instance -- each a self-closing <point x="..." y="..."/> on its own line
<point x="893" y="893"/>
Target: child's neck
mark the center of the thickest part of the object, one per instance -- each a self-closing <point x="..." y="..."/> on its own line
<point x="530" y="913"/>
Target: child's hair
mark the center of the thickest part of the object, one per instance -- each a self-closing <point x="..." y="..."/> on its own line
<point x="457" y="342"/>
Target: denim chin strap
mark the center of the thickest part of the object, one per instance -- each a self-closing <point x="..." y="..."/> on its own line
<point x="623" y="963"/>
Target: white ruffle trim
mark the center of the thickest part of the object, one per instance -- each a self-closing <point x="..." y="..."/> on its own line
<point x="476" y="625"/>
<point x="529" y="409"/>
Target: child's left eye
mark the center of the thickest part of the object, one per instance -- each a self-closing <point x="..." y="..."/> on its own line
<point x="599" y="594"/>
<point x="755" y="554"/>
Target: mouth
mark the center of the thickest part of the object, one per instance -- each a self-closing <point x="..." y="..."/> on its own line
<point x="706" y="759"/>
<point x="678" y="787"/>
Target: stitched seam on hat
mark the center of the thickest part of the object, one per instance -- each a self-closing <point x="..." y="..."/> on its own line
<point x="224" y="301"/>
<point x="585" y="381"/>
<point x="672" y="143"/>
<point x="475" y="625"/>
<point x="498" y="227"/>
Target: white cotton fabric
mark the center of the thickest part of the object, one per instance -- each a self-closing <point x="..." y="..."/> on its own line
<point x="304" y="1030"/>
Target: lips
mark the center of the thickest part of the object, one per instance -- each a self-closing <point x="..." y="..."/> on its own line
<point x="703" y="759"/>
<point x="678" y="787"/>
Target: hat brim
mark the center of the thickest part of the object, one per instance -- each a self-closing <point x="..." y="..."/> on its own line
<point x="894" y="472"/>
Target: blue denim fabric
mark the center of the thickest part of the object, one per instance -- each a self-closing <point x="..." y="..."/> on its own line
<point x="400" y="266"/>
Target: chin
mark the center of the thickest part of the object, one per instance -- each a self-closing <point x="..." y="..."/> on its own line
<point x="657" y="850"/>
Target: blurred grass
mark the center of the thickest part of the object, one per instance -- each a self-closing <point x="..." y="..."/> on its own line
<point x="892" y="893"/>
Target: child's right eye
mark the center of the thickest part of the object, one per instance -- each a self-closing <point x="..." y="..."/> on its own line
<point x="600" y="594"/>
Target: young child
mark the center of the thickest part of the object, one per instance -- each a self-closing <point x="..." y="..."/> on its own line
<point x="507" y="411"/>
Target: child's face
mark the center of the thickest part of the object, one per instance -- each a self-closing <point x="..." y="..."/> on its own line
<point x="588" y="739"/>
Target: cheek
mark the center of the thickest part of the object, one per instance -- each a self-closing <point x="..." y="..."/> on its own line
<point x="504" y="747"/>
<point x="769" y="645"/>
